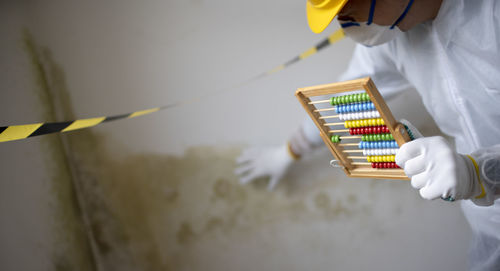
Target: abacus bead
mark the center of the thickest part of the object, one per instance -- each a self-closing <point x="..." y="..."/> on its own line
<point x="335" y="138"/>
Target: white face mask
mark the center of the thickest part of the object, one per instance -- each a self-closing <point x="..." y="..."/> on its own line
<point x="371" y="34"/>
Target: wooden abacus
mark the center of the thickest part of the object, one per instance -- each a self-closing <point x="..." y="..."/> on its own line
<point x="369" y="127"/>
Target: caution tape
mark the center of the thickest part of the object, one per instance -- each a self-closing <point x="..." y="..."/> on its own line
<point x="16" y="132"/>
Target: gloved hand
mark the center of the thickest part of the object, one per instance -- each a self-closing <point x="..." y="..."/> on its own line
<point x="437" y="170"/>
<point x="254" y="163"/>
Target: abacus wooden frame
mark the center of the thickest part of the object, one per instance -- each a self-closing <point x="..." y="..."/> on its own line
<point x="396" y="129"/>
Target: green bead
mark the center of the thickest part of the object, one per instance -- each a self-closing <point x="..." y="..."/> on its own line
<point x="351" y="98"/>
<point x="331" y="101"/>
<point x="335" y="138"/>
<point x="358" y="97"/>
<point x="366" y="97"/>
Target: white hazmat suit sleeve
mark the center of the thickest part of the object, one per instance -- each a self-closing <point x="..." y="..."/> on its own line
<point x="488" y="166"/>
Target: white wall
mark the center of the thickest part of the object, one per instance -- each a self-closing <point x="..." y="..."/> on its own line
<point x="172" y="170"/>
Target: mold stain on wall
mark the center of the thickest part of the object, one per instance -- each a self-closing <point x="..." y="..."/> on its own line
<point x="149" y="211"/>
<point x="71" y="249"/>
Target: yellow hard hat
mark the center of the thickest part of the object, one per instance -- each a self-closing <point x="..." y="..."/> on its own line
<point x="321" y="12"/>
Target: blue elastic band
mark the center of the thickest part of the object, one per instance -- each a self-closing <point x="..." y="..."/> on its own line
<point x="402" y="15"/>
<point x="372" y="11"/>
<point x="345" y="25"/>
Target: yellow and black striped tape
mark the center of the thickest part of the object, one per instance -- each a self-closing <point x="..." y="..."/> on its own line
<point x="16" y="132"/>
<point x="333" y="38"/>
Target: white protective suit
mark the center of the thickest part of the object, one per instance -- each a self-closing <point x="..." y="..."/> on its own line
<point x="454" y="64"/>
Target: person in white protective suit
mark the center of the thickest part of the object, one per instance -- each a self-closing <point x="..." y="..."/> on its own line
<point x="449" y="51"/>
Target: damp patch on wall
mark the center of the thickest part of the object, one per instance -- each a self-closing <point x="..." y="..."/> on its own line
<point x="151" y="211"/>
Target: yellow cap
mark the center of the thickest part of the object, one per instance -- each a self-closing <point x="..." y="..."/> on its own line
<point x="321" y="12"/>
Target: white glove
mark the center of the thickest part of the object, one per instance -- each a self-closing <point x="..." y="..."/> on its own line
<point x="437" y="170"/>
<point x="254" y="163"/>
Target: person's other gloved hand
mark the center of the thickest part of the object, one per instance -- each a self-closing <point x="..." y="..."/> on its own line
<point x="254" y="163"/>
<point x="437" y="170"/>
